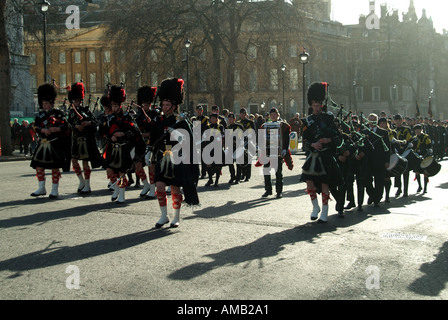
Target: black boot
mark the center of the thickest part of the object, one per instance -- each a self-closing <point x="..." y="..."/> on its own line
<point x="417" y="176"/>
<point x="387" y="186"/>
<point x="426" y="184"/>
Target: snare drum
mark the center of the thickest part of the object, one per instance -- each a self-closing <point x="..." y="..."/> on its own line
<point x="414" y="160"/>
<point x="397" y="165"/>
<point x="430" y="166"/>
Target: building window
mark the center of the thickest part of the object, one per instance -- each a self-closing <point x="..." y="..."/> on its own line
<point x="62" y="80"/>
<point x="393" y="93"/>
<point x="92" y="81"/>
<point x="48" y="58"/>
<point x="77" y="57"/>
<point x="91" y="56"/>
<point x="203" y="55"/>
<point x="407" y="93"/>
<point x="236" y="81"/>
<point x="78" y="77"/>
<point x="154" y="79"/>
<point x="272" y="52"/>
<point x="106" y="56"/>
<point x="253" y="81"/>
<point x="293" y="79"/>
<point x="252" y="52"/>
<point x="32" y="59"/>
<point x="273" y="80"/>
<point x="376" y="96"/>
<point x="154" y="55"/>
<point x="33" y="82"/>
<point x="202" y="81"/>
<point x="107" y="78"/>
<point x="61" y="57"/>
<point x="293" y="51"/>
<point x="325" y="54"/>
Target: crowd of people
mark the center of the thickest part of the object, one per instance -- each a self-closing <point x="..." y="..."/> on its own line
<point x="23" y="137"/>
<point x="146" y="138"/>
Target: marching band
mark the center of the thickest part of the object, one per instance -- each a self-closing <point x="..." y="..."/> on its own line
<point x="339" y="150"/>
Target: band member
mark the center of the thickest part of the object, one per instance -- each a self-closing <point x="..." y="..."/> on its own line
<point x="320" y="139"/>
<point x="222" y="119"/>
<point x="52" y="128"/>
<point x="204" y="122"/>
<point x="423" y="147"/>
<point x="356" y="167"/>
<point x="250" y="133"/>
<point x="238" y="131"/>
<point x="169" y="131"/>
<point x="404" y="137"/>
<point x="84" y="146"/>
<point x="122" y="136"/>
<point x="378" y="156"/>
<point x="145" y="120"/>
<point x="382" y="123"/>
<point x="344" y="152"/>
<point x="216" y="132"/>
<point x="282" y="130"/>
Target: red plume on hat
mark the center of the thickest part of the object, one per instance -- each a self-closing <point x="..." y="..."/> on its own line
<point x="77" y="91"/>
<point x="171" y="89"/>
<point x="117" y="94"/>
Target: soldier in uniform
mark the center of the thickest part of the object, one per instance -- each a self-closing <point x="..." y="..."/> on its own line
<point x="320" y="139"/>
<point x="204" y="122"/>
<point x="404" y="137"/>
<point x="423" y="147"/>
<point x="168" y="132"/>
<point x="382" y="123"/>
<point x="122" y="136"/>
<point x="216" y="132"/>
<point x="52" y="127"/>
<point x="237" y="130"/>
<point x="282" y="130"/>
<point x="250" y="133"/>
<point x="222" y="119"/>
<point x="84" y="147"/>
<point x="145" y="119"/>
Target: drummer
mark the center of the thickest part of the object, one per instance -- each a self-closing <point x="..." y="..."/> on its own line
<point x="423" y="147"/>
<point x="404" y="137"/>
<point x="383" y="123"/>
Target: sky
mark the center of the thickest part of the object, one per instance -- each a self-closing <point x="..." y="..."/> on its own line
<point x="348" y="11"/>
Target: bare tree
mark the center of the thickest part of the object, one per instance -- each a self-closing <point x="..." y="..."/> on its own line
<point x="5" y="88"/>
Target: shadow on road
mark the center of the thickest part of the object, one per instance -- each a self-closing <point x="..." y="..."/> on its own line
<point x="43" y="217"/>
<point x="435" y="278"/>
<point x="63" y="255"/>
<point x="269" y="245"/>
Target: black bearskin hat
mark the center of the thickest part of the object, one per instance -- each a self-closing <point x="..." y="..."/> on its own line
<point x="105" y="102"/>
<point x="117" y="94"/>
<point x="146" y="94"/>
<point x="76" y="91"/>
<point x="46" y="92"/>
<point x="317" y="91"/>
<point x="172" y="90"/>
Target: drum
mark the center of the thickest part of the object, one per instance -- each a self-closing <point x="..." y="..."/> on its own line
<point x="430" y="166"/>
<point x="414" y="160"/>
<point x="397" y="165"/>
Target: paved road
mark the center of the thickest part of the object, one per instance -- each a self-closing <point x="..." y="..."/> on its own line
<point x="235" y="246"/>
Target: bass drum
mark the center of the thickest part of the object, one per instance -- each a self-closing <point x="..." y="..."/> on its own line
<point x="397" y="165"/>
<point x="430" y="166"/>
<point x="414" y="160"/>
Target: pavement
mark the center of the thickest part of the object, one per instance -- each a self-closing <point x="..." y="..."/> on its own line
<point x="235" y="246"/>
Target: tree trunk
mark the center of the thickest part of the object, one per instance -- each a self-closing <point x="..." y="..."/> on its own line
<point x="5" y="87"/>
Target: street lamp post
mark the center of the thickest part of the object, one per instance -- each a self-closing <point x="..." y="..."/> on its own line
<point x="44" y="8"/>
<point x="187" y="46"/>
<point x="304" y="59"/>
<point x="283" y="67"/>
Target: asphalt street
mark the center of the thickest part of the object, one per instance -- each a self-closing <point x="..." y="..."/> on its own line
<point x="235" y="246"/>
